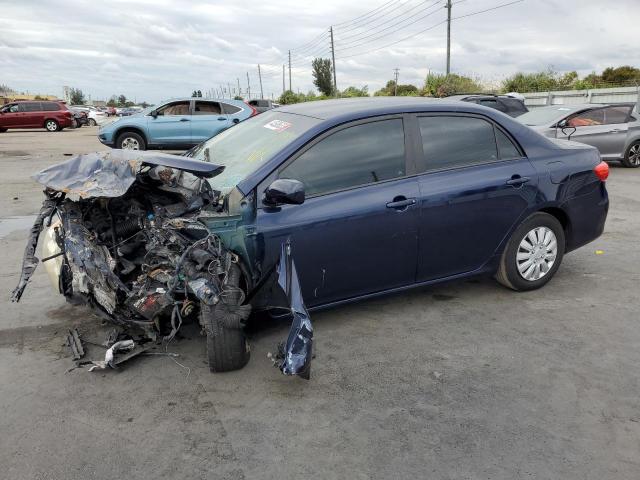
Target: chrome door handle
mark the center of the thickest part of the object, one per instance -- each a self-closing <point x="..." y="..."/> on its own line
<point x="615" y="130"/>
<point x="401" y="203"/>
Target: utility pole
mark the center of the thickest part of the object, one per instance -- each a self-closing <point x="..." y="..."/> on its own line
<point x="395" y="88"/>
<point x="229" y="87"/>
<point x="248" y="87"/>
<point x="283" y="87"/>
<point x="289" y="69"/>
<point x="448" y="7"/>
<point x="260" y="78"/>
<point x="238" y="85"/>
<point x="333" y="63"/>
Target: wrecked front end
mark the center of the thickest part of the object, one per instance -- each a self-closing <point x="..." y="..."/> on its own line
<point x="126" y="234"/>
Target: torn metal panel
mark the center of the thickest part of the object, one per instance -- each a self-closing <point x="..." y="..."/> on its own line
<point x="75" y="344"/>
<point x="122" y="346"/>
<point x="297" y="351"/>
<point x="30" y="261"/>
<point x="111" y="174"/>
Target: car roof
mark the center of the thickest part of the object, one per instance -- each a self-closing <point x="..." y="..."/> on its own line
<point x="362" y="106"/>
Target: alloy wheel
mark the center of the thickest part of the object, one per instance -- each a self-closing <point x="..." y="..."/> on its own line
<point x="634" y="155"/>
<point x="537" y="253"/>
<point x="51" y="126"/>
<point x="130" y="143"/>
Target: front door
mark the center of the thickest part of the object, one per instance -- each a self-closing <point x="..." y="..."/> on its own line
<point x="208" y="120"/>
<point x="475" y="187"/>
<point x="356" y="233"/>
<point x="172" y="125"/>
<point x="11" y="116"/>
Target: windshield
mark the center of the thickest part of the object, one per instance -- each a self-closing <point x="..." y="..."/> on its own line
<point x="545" y="115"/>
<point x="244" y="148"/>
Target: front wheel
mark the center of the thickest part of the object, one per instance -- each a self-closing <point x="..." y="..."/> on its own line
<point x="533" y="254"/>
<point x="130" y="141"/>
<point x="92" y="122"/>
<point x="51" y="126"/>
<point x="632" y="156"/>
<point x="2" y="130"/>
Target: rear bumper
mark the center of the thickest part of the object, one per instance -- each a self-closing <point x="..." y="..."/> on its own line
<point x="587" y="214"/>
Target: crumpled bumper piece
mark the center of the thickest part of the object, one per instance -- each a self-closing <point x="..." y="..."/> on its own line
<point x="297" y="351"/>
<point x="30" y="261"/>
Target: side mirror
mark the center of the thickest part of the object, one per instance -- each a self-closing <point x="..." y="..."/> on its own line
<point x="563" y="123"/>
<point x="284" y="191"/>
<point x="153" y="113"/>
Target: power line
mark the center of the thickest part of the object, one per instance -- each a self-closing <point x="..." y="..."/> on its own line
<point x="415" y="20"/>
<point x="429" y="28"/>
<point x="376" y="17"/>
<point x="421" y="9"/>
<point x="381" y="7"/>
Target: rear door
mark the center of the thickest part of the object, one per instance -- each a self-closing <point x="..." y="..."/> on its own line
<point x="172" y="126"/>
<point x="208" y="120"/>
<point x="356" y="232"/>
<point x="475" y="186"/>
<point x="33" y="114"/>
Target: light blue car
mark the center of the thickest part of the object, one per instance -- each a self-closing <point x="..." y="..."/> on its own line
<point x="175" y="124"/>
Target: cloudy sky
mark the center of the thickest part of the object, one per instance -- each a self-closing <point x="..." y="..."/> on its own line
<point x="155" y="49"/>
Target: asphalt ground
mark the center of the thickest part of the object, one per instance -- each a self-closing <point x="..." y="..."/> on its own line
<point x="465" y="380"/>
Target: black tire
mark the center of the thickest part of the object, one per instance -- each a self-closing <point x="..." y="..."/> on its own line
<point x="632" y="156"/>
<point x="92" y="122"/>
<point x="2" y="130"/>
<point x="128" y="140"/>
<point x="227" y="346"/>
<point x="51" y="125"/>
<point x="508" y="273"/>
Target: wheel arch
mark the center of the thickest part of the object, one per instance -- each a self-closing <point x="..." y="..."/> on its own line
<point x="564" y="220"/>
<point x="129" y="128"/>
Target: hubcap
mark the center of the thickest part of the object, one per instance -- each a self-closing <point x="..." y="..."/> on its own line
<point x="537" y="253"/>
<point x="634" y="154"/>
<point x="51" y="126"/>
<point x="130" y="144"/>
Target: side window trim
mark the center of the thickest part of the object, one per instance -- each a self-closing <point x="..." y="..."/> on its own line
<point x="410" y="167"/>
<point x="422" y="161"/>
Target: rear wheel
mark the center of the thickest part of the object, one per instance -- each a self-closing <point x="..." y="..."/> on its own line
<point x="51" y="125"/>
<point x="130" y="141"/>
<point x="227" y="346"/>
<point x="2" y="130"/>
<point x="533" y="254"/>
<point x="92" y="122"/>
<point x="632" y="156"/>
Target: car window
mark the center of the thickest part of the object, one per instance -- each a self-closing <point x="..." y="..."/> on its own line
<point x="506" y="149"/>
<point x="353" y="156"/>
<point x="491" y="103"/>
<point x="176" y="108"/>
<point x="32" y="107"/>
<point x="456" y="141"/>
<point x="50" y="106"/>
<point x="513" y="105"/>
<point x="207" y="108"/>
<point x="587" y="119"/>
<point x="617" y="114"/>
<point x="230" y="108"/>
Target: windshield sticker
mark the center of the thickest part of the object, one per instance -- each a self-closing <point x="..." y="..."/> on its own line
<point x="277" y="125"/>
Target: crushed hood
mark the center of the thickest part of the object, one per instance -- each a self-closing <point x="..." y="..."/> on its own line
<point x="111" y="173"/>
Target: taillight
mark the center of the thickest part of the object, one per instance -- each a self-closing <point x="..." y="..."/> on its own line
<point x="602" y="170"/>
<point x="254" y="112"/>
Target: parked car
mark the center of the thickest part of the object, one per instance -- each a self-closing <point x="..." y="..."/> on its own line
<point x="111" y="111"/>
<point x="614" y="129"/>
<point x="262" y="105"/>
<point x="80" y="117"/>
<point x="180" y="123"/>
<point x="94" y="115"/>
<point x="53" y="116"/>
<point x="355" y="198"/>
<point x="511" y="105"/>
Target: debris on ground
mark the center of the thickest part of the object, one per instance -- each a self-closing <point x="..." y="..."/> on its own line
<point x="75" y="344"/>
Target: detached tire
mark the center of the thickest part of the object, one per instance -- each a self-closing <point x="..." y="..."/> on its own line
<point x="533" y="254"/>
<point x="131" y="141"/>
<point x="632" y="156"/>
<point x="227" y="346"/>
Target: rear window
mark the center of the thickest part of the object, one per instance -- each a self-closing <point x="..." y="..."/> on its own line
<point x="513" y="105"/>
<point x="31" y="107"/>
<point x="50" y="106"/>
<point x="230" y="108"/>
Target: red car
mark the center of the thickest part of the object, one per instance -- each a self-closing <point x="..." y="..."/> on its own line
<point x="54" y="116"/>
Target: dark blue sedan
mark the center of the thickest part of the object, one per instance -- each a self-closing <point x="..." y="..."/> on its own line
<point x="319" y="204"/>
